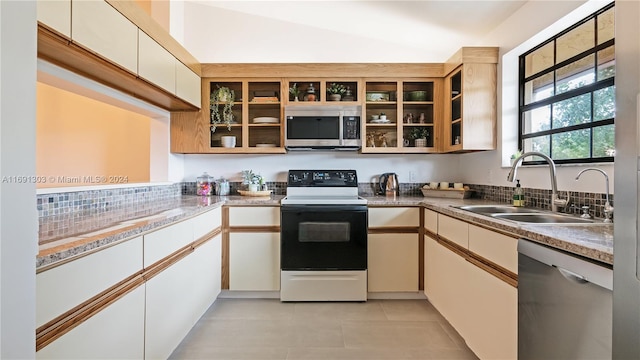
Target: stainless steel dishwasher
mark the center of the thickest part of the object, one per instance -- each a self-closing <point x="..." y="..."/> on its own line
<point x="564" y="305"/>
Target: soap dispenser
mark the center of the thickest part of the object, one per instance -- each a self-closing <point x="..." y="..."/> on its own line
<point x="518" y="195"/>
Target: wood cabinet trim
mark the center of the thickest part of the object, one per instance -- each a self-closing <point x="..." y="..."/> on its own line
<point x="320" y="70"/>
<point x="62" y="324"/>
<point x="394" y="230"/>
<point x="60" y="51"/>
<point x="479" y="261"/>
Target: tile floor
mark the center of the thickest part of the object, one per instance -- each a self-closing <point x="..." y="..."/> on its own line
<point x="269" y="329"/>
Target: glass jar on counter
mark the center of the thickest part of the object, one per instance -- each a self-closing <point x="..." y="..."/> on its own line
<point x="222" y="187"/>
<point x="204" y="185"/>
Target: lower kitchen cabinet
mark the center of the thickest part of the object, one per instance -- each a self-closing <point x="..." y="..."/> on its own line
<point x="254" y="261"/>
<point x="116" y="332"/>
<point x="178" y="296"/>
<point x="447" y="284"/>
<point x="482" y="307"/>
<point x="492" y="324"/>
<point x="393" y="263"/>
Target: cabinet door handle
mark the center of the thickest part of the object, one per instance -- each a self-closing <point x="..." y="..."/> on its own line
<point x="571" y="276"/>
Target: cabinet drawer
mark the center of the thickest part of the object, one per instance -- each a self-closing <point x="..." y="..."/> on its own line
<point x="207" y="222"/>
<point x="454" y="230"/>
<point x="254" y="216"/>
<point x="163" y="242"/>
<point x="495" y="247"/>
<point x="103" y="30"/>
<point x="394" y="216"/>
<point x="431" y="220"/>
<point x="66" y="286"/>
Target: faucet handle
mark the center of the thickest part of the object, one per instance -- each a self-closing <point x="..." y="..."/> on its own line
<point x="562" y="202"/>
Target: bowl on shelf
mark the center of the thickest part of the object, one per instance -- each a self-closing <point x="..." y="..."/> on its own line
<point x="377" y="96"/>
<point x="417" y="95"/>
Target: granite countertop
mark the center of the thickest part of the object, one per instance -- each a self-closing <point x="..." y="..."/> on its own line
<point x="593" y="241"/>
<point x="65" y="236"/>
<point x="68" y="235"/>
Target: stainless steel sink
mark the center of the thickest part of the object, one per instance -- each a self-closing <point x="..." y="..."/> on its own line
<point x="524" y="215"/>
<point x="543" y="218"/>
<point x="497" y="209"/>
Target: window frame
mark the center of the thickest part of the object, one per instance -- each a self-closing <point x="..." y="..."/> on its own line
<point x="572" y="93"/>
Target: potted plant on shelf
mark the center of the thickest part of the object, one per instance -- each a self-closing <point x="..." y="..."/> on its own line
<point x="335" y="91"/>
<point x="295" y="91"/>
<point x="252" y="181"/>
<point x="420" y="135"/>
<point x="222" y="100"/>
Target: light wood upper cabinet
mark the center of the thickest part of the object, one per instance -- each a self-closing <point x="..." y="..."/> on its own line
<point x="187" y="84"/>
<point x="56" y="15"/>
<point x="102" y="29"/>
<point x="156" y="64"/>
<point x="470" y="90"/>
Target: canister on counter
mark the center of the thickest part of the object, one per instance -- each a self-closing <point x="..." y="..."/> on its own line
<point x="222" y="187"/>
<point x="204" y="185"/>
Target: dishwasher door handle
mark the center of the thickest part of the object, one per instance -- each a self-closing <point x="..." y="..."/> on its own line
<point x="571" y="276"/>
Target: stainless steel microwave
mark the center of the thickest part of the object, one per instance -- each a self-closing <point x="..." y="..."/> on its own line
<point x="329" y="127"/>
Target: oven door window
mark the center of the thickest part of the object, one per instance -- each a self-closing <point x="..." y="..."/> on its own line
<point x="323" y="238"/>
<point x="324" y="231"/>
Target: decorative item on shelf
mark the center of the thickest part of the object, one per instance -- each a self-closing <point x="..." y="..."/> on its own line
<point x="417" y="95"/>
<point x="420" y="135"/>
<point x="265" y="96"/>
<point x="204" y="185"/>
<point x="311" y="93"/>
<point x="228" y="141"/>
<point x="408" y="118"/>
<point x="335" y="91"/>
<point x="383" y="116"/>
<point x="456" y="141"/>
<point x="348" y="95"/>
<point x="377" y="96"/>
<point x="371" y="142"/>
<point x="222" y="95"/>
<point x="295" y="91"/>
<point x="422" y="119"/>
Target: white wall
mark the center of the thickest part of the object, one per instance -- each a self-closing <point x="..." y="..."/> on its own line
<point x="533" y="23"/>
<point x="18" y="215"/>
<point x="425" y="168"/>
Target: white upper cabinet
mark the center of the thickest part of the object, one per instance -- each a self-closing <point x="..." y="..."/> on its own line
<point x="156" y="64"/>
<point x="103" y="30"/>
<point x="56" y="14"/>
<point x="188" y="85"/>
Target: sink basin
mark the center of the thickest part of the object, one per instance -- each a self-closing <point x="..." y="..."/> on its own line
<point x="543" y="218"/>
<point x="497" y="209"/>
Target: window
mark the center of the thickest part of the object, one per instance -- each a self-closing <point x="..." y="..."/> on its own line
<point x="567" y="93"/>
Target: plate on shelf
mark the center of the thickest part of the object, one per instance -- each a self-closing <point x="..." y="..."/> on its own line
<point x="380" y="121"/>
<point x="266" y="120"/>
<point x="265" y="145"/>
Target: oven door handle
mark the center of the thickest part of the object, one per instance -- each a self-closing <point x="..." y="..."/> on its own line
<point x="323" y="208"/>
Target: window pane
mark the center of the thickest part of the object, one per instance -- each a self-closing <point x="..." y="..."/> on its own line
<point x="604" y="103"/>
<point x="575" y="75"/>
<point x="606" y="63"/>
<point x="537" y="120"/>
<point x="575" y="41"/>
<point x="573" y="111"/>
<point x="571" y="145"/>
<point x="539" y="60"/>
<point x="604" y="142"/>
<point x="606" y="26"/>
<point x="539" y="88"/>
<point x="540" y="144"/>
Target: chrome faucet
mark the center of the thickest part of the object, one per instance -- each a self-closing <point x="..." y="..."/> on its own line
<point x="608" y="209"/>
<point x="555" y="201"/>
